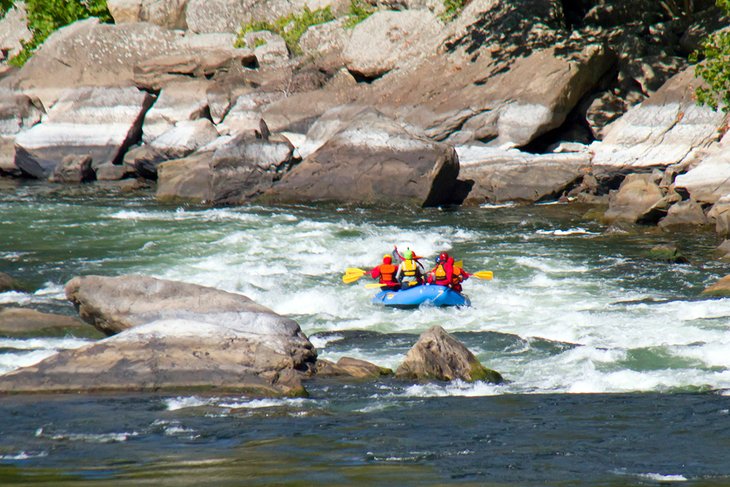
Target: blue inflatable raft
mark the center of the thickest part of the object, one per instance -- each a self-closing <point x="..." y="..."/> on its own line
<point x="430" y="295"/>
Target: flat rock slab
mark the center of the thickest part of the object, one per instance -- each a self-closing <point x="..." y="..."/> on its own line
<point x="22" y="322"/>
<point x="98" y="122"/>
<point x="196" y="356"/>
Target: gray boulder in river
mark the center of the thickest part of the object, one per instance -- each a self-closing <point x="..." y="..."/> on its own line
<point x="439" y="356"/>
<point x="176" y="336"/>
<point x="370" y="158"/>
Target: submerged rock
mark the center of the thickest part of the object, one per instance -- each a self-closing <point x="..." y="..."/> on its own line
<point x="439" y="356"/>
<point x="351" y="367"/>
<point x="667" y="253"/>
<point x="720" y="288"/>
<point x="23" y="323"/>
<point x="8" y="283"/>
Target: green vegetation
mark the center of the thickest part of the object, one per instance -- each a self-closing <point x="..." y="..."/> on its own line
<point x="5" y="5"/>
<point x="290" y="27"/>
<point x="47" y="16"/>
<point x="359" y="11"/>
<point x="453" y="9"/>
<point x="715" y="70"/>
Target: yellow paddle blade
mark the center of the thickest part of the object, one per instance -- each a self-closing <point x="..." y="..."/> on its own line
<point x="350" y="278"/>
<point x="486" y="275"/>
<point x="459" y="263"/>
<point x="355" y="270"/>
<point x="372" y="285"/>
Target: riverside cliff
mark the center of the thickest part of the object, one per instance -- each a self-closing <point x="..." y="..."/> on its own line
<point x="398" y="101"/>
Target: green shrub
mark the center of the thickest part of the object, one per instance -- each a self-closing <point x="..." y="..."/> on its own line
<point x="452" y="9"/>
<point x="5" y="5"/>
<point x="715" y="70"/>
<point x="359" y="11"/>
<point x="47" y="16"/>
<point x="290" y="27"/>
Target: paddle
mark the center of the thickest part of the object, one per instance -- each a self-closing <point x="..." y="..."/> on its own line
<point x="486" y="275"/>
<point x="373" y="285"/>
<point x="352" y="274"/>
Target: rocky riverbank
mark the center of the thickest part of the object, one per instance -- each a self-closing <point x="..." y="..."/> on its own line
<point x="506" y="101"/>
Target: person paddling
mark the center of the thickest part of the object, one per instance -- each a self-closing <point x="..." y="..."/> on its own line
<point x="409" y="273"/>
<point x="385" y="272"/>
<point x="447" y="274"/>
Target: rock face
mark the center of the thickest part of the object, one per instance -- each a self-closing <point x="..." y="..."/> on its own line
<point x="177" y="102"/>
<point x="388" y="38"/>
<point x="373" y="159"/>
<point x="18" y="112"/>
<point x="20" y="322"/>
<point x="166" y="13"/>
<point x="439" y="356"/>
<point x="98" y="122"/>
<point x="710" y="179"/>
<point x="14" y="29"/>
<point x="668" y="128"/>
<point x="512" y="175"/>
<point x="87" y="53"/>
<point x="247" y="166"/>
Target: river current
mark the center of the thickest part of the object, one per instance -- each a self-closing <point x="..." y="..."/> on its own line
<point x="618" y="369"/>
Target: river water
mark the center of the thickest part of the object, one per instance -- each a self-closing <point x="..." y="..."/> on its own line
<point x="618" y="370"/>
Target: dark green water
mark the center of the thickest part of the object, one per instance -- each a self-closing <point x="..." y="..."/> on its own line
<point x="618" y="369"/>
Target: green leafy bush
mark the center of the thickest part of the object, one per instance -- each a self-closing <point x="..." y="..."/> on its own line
<point x="290" y="27"/>
<point x="47" y="16"/>
<point x="452" y="9"/>
<point x="5" y="5"/>
<point x="359" y="11"/>
<point x="715" y="70"/>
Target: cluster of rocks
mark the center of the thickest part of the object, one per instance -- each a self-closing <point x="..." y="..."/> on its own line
<point x="166" y="335"/>
<point x="510" y="101"/>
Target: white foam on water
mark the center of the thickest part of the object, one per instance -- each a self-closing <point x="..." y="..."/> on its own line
<point x="177" y="403"/>
<point x="87" y="437"/>
<point x="263" y="403"/>
<point x="24" y="455"/>
<point x="566" y="233"/>
<point x="662" y="478"/>
<point x="454" y="388"/>
<point x="31" y="351"/>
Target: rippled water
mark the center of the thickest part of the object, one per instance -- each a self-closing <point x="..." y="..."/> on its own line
<point x="571" y="311"/>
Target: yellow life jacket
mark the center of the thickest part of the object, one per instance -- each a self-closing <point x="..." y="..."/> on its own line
<point x="439" y="273"/>
<point x="409" y="268"/>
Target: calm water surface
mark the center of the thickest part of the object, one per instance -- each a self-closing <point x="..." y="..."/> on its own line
<point x="618" y="370"/>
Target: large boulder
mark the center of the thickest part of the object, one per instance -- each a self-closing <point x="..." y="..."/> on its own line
<point x="185" y="180"/>
<point x="637" y="194"/>
<point x="511" y="175"/>
<point x="387" y="38"/>
<point x="668" y="128"/>
<point x="244" y="117"/>
<point x="87" y="53"/>
<point x="720" y="289"/>
<point x="73" y="169"/>
<point x="439" y="356"/>
<point x="172" y="335"/>
<point x="98" y="122"/>
<point x="254" y="353"/>
<point x="23" y="322"/>
<point x="165" y="13"/>
<point x="373" y="159"/>
<point x="248" y="165"/>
